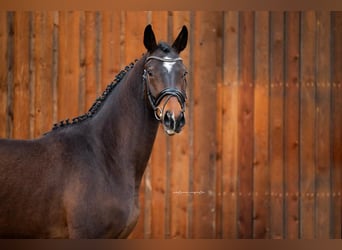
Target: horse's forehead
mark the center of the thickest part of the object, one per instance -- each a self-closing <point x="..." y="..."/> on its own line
<point x="169" y="67"/>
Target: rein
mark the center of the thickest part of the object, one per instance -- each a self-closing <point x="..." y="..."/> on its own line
<point x="170" y="92"/>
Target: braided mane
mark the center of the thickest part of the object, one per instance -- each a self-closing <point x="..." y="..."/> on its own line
<point x="98" y="102"/>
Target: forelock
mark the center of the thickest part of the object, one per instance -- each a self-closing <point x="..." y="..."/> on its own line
<point x="164" y="47"/>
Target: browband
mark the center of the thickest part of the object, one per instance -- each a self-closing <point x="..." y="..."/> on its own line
<point x="164" y="59"/>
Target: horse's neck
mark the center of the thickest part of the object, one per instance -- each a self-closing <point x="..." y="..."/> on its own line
<point x="125" y="125"/>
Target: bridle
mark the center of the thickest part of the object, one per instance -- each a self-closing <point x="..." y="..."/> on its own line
<point x="169" y="92"/>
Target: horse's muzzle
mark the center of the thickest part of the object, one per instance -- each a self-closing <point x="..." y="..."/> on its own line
<point x="173" y="124"/>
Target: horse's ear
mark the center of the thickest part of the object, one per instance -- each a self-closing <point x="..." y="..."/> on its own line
<point x="149" y="39"/>
<point x="180" y="43"/>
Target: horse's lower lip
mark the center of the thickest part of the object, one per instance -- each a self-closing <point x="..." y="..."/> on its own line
<point x="170" y="131"/>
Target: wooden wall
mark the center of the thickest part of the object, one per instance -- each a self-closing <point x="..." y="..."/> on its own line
<point x="261" y="154"/>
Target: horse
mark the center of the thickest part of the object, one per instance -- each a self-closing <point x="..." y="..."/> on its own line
<point x="82" y="178"/>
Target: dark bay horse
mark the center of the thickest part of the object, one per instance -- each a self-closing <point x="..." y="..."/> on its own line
<point x="81" y="179"/>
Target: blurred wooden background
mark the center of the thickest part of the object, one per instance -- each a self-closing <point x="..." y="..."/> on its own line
<point x="261" y="154"/>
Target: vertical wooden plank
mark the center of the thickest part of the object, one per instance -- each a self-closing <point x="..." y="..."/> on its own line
<point x="54" y="65"/>
<point x="82" y="84"/>
<point x="31" y="76"/>
<point x="91" y="61"/>
<point x="159" y="158"/>
<point x="204" y="77"/>
<point x="245" y="126"/>
<point x="336" y="128"/>
<point x="219" y="108"/>
<point x="90" y="58"/>
<point x="219" y="163"/>
<point x="276" y="124"/>
<point x="134" y="23"/>
<point x="43" y="106"/>
<point x="180" y="148"/>
<point x="219" y="129"/>
<point x="111" y="27"/>
<point x="3" y="74"/>
<point x="68" y="64"/>
<point x="230" y="125"/>
<point x="10" y="73"/>
<point x="21" y="75"/>
<point x="291" y="126"/>
<point x="322" y="137"/>
<point x="261" y="208"/>
<point x="191" y="104"/>
<point x="307" y="125"/>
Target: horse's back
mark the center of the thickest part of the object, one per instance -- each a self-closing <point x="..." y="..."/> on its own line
<point x="24" y="160"/>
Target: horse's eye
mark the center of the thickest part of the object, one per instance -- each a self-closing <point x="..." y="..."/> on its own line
<point x="149" y="72"/>
<point x="185" y="74"/>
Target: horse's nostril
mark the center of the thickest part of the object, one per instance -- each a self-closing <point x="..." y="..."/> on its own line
<point x="169" y="120"/>
<point x="181" y="120"/>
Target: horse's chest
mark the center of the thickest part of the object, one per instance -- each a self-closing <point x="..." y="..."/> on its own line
<point x="131" y="221"/>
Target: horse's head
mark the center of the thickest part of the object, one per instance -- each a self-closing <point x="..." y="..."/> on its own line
<point x="165" y="78"/>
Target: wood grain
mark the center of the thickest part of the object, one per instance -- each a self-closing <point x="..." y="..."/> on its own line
<point x="263" y="134"/>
